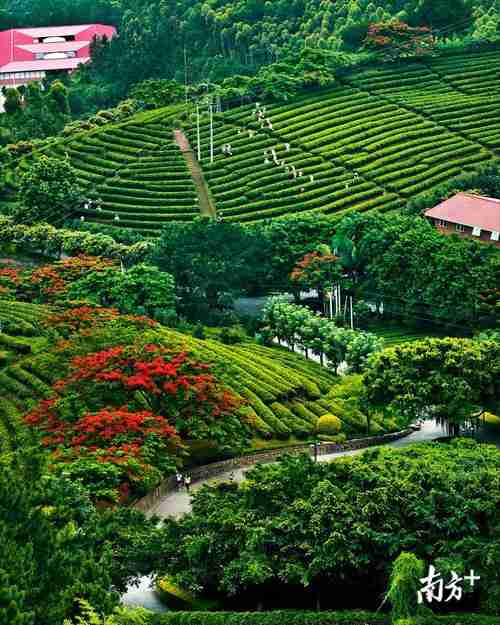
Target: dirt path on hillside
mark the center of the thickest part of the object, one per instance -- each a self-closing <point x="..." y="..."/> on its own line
<point x="205" y="199"/>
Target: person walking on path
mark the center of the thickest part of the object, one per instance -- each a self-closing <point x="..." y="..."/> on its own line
<point x="179" y="479"/>
<point x="187" y="482"/>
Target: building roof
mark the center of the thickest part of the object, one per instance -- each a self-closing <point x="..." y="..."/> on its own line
<point x="471" y="210"/>
<point x="67" y="46"/>
<point x="48" y="65"/>
<point x="54" y="31"/>
<point x="19" y="47"/>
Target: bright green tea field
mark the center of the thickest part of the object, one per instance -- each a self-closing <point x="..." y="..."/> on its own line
<point x="375" y="140"/>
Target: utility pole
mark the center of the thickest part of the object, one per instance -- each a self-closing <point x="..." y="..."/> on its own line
<point x="330" y="297"/>
<point x="185" y="75"/>
<point x="352" y="316"/>
<point x="211" y="132"/>
<point x="198" y="143"/>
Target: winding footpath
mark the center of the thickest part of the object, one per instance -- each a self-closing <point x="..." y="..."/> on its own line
<point x="178" y="503"/>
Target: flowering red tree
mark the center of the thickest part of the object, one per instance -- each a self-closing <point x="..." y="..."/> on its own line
<point x="398" y="39"/>
<point x="84" y="320"/>
<point x="10" y="279"/>
<point x="170" y="384"/>
<point x="126" y="408"/>
<point x="317" y="270"/>
<point x="114" y="450"/>
<point x="52" y="281"/>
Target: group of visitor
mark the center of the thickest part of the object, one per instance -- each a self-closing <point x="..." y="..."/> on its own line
<point x="183" y="481"/>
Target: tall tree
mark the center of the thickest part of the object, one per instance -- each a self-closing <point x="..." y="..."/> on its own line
<point x="446" y="378"/>
<point x="49" y="192"/>
<point x="50" y="552"/>
<point x="212" y="262"/>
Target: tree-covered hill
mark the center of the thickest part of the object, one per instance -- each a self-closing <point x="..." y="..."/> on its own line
<point x="223" y="37"/>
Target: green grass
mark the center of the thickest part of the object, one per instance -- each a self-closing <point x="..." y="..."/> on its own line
<point x="394" y="333"/>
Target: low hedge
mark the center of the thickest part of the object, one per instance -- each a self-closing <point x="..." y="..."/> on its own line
<point x="309" y="618"/>
<point x="272" y="618"/>
<point x="50" y="241"/>
<point x="459" y="619"/>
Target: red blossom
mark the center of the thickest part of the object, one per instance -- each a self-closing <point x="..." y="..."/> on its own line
<point x="175" y="388"/>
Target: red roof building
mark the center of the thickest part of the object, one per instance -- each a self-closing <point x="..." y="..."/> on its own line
<point x="27" y="54"/>
<point x="468" y="215"/>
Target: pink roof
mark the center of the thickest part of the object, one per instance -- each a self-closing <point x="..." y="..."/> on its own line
<point x="37" y="66"/>
<point x="21" y="44"/>
<point x="469" y="210"/>
<point x="66" y="46"/>
<point x="54" y="31"/>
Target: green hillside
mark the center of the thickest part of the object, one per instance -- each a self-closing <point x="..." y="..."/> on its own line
<point x="283" y="394"/>
<point x="377" y="139"/>
<point x="134" y="169"/>
<point x="373" y="142"/>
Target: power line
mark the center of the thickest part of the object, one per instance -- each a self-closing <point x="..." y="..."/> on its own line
<point x="285" y="289"/>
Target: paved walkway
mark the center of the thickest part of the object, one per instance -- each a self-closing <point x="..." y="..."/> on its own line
<point x="178" y="503"/>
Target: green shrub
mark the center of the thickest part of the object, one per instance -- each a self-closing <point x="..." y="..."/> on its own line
<point x="199" y="332"/>
<point x="491" y="418"/>
<point x="232" y="336"/>
<point x="173" y="596"/>
<point x="328" y="424"/>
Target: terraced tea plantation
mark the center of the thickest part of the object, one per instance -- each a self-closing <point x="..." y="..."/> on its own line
<point x="394" y="334"/>
<point x="373" y="142"/>
<point x="377" y="139"/>
<point x="134" y="172"/>
<point x="284" y="395"/>
<point x="21" y="338"/>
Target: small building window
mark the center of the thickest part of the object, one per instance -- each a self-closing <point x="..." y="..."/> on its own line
<point x="441" y="223"/>
<point x="459" y="228"/>
<point x="55" y="55"/>
<point x="53" y="39"/>
<point x="476" y="232"/>
<point x="495" y="236"/>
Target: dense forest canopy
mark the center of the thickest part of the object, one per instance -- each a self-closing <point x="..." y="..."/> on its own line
<point x="213" y="39"/>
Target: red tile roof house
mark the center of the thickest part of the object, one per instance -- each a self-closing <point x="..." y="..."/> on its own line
<point x="468" y="215"/>
<point x="28" y="54"/>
